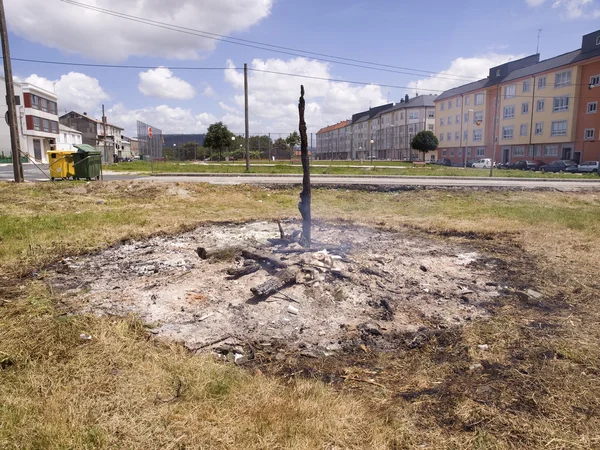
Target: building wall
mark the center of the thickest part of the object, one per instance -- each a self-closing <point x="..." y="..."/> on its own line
<point x="88" y="127"/>
<point x="5" y="146"/>
<point x="67" y="139"/>
<point x="589" y="147"/>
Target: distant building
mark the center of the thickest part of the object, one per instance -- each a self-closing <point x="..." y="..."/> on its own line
<point x="68" y="137"/>
<point x="93" y="133"/>
<point x="171" y="140"/>
<point x="38" y="121"/>
<point x="331" y="142"/>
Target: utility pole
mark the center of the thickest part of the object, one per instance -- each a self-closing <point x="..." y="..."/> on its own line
<point x="104" y="141"/>
<point x="537" y="49"/>
<point x="10" y="100"/>
<point x="246" y="114"/>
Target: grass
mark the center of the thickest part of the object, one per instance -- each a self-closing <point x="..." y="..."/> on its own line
<point x="380" y="169"/>
<point x="539" y="387"/>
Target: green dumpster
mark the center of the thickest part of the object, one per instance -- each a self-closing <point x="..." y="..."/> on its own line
<point x="87" y="162"/>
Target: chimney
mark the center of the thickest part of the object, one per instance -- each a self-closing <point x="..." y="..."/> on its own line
<point x="401" y="100"/>
<point x="85" y="114"/>
<point x="103" y="119"/>
<point x="406" y="98"/>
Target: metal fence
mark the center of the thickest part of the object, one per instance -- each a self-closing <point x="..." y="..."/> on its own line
<point x="149" y="147"/>
<point x="264" y="146"/>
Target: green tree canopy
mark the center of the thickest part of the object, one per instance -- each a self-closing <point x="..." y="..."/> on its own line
<point x="425" y="141"/>
<point x="293" y="139"/>
<point x="218" y="136"/>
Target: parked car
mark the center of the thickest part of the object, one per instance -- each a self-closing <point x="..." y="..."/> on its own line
<point x="484" y="163"/>
<point x="471" y="161"/>
<point x="560" y="165"/>
<point x="589" y="167"/>
<point x="444" y="162"/>
<point x="519" y="165"/>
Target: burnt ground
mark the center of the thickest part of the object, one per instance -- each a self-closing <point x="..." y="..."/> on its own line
<point x="398" y="290"/>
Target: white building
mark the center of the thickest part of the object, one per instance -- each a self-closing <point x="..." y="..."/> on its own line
<point x="38" y="121"/>
<point x="68" y="137"/>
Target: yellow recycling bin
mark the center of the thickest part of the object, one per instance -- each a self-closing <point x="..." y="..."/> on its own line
<point x="61" y="164"/>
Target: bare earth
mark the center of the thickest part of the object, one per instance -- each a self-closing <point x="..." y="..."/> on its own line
<point x="399" y="286"/>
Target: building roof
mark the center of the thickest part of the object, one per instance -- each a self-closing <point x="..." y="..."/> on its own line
<point x="371" y="112"/>
<point x="337" y="126"/>
<point x="68" y="129"/>
<point x="420" y="101"/>
<point x="529" y="66"/>
<point x="91" y="119"/>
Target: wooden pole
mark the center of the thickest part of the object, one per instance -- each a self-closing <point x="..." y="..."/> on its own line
<point x="13" y="123"/>
<point x="305" y="195"/>
<point x="246" y="118"/>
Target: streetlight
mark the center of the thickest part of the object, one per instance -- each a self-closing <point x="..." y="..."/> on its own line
<point x="372" y="142"/>
<point x="232" y="141"/>
<point x="467" y="140"/>
<point x="360" y="153"/>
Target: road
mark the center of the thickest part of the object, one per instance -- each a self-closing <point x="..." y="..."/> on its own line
<point x="33" y="173"/>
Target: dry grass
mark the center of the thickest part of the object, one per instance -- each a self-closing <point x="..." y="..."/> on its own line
<point x="538" y="387"/>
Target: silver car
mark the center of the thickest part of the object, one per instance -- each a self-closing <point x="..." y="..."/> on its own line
<point x="589" y="167"/>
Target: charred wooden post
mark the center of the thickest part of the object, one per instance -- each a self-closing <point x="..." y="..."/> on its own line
<point x="305" y="195"/>
<point x="238" y="272"/>
<point x="283" y="278"/>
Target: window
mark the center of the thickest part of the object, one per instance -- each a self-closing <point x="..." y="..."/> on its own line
<point x="595" y="80"/>
<point x="466" y="117"/>
<point x="457" y="135"/>
<point x="442" y="106"/>
<point x="441" y="121"/>
<point x="460" y="152"/>
<point x="510" y="91"/>
<point x="518" y="151"/>
<point x="441" y="137"/>
<point x="479" y="99"/>
<point x="413" y="115"/>
<point x="54" y="126"/>
<point x="37" y="123"/>
<point x="449" y="120"/>
<point x="524" y="129"/>
<point x="458" y="102"/>
<point x="539" y="128"/>
<point x="457" y="119"/>
<point x="430" y="127"/>
<point x="430" y="114"/>
<point x="598" y="40"/>
<point x="559" y="128"/>
<point x="468" y="152"/>
<point x="451" y="152"/>
<point x="540" y="105"/>
<point x="65" y="137"/>
<point x="562" y="79"/>
<point x="35" y="102"/>
<point x="402" y="115"/>
<point x="507" y="132"/>
<point x="560" y="104"/>
<point x="592" y="107"/>
<point x="467" y="100"/>
<point x="449" y="104"/>
<point x="477" y="135"/>
<point x="526" y="86"/>
<point x="509" y="112"/>
<point x="44" y="104"/>
<point x="497" y="72"/>
<point x="524" y="108"/>
<point x="477" y="116"/>
<point x="449" y="136"/>
<point x="589" y="134"/>
<point x="465" y="135"/>
<point x="481" y="151"/>
<point x="551" y="150"/>
<point x="541" y="83"/>
<point x="46" y="124"/>
<point x="530" y="150"/>
<point x="443" y="152"/>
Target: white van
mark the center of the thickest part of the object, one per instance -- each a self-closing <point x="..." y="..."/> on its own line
<point x="484" y="163"/>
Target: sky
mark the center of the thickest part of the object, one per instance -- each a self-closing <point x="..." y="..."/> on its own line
<point x="418" y="47"/>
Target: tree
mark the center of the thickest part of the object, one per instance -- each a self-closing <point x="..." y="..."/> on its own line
<point x="293" y="140"/>
<point x="218" y="137"/>
<point x="280" y="146"/>
<point x="425" y="141"/>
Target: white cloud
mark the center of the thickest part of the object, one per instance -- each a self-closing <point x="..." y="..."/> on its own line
<point x="273" y="98"/>
<point x="161" y="83"/>
<point x="108" y="38"/>
<point x="209" y="91"/>
<point x="571" y="9"/>
<point x="168" y="119"/>
<point x="76" y="91"/>
<point x="476" y="68"/>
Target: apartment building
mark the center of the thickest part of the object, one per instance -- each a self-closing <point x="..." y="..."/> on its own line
<point x="68" y="138"/>
<point x="37" y="112"/>
<point x="332" y="141"/>
<point x="393" y="129"/>
<point x="526" y="109"/>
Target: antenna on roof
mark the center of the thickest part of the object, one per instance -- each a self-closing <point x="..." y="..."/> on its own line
<point x="537" y="49"/>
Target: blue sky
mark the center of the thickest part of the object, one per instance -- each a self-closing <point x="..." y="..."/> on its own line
<point x="451" y="39"/>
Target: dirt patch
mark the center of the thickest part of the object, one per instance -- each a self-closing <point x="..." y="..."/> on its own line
<point x="394" y="285"/>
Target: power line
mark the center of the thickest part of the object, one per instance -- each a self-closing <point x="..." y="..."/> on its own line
<point x="263" y="46"/>
<point x="124" y="66"/>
